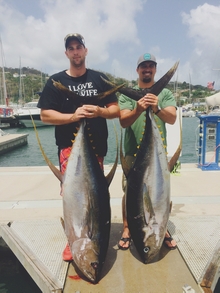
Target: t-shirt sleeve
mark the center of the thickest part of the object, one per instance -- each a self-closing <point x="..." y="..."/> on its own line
<point x="167" y="99"/>
<point x="126" y="103"/>
<point x="49" y="98"/>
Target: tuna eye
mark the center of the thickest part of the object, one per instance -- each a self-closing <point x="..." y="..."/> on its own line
<point x="146" y="249"/>
<point x="95" y="265"/>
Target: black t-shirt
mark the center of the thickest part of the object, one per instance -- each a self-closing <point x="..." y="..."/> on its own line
<point x="88" y="84"/>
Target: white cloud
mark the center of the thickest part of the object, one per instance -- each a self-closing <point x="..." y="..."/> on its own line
<point x="116" y="32"/>
<point x="204" y="29"/>
<point x="40" y="44"/>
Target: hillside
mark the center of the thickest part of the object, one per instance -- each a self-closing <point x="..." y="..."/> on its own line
<point x="23" y="89"/>
<point x="32" y="81"/>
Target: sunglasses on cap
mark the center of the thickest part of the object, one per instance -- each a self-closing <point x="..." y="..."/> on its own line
<point x="69" y="37"/>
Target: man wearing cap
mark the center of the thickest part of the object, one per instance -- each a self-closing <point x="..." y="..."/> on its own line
<point x="58" y="109"/>
<point x="132" y="118"/>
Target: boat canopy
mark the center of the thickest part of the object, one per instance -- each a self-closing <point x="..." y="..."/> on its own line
<point x="213" y="100"/>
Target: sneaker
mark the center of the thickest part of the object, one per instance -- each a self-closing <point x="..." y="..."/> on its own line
<point x="67" y="255"/>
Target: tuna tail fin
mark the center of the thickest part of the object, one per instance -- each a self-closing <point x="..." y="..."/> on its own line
<point x="100" y="96"/>
<point x="111" y="174"/>
<point x="61" y="87"/>
<point x="163" y="81"/>
<point x="176" y="155"/>
<point x="136" y="94"/>
<point x="111" y="91"/>
<point x="56" y="172"/>
<point x="131" y="93"/>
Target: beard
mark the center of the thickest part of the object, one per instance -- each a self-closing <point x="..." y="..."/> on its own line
<point x="78" y="63"/>
<point x="146" y="79"/>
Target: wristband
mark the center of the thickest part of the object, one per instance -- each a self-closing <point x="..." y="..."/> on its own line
<point x="157" y="111"/>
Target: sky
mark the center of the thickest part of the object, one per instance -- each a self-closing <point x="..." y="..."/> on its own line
<point x="116" y="33"/>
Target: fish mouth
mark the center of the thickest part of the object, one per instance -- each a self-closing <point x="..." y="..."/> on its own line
<point x="150" y="255"/>
<point x="93" y="277"/>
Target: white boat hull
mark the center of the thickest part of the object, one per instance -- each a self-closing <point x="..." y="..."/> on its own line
<point x="24" y="115"/>
<point x="26" y="121"/>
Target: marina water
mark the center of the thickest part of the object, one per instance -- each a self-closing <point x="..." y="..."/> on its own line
<point x="13" y="277"/>
<point x="30" y="155"/>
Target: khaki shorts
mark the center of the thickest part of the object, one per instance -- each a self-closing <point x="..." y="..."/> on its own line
<point x="130" y="162"/>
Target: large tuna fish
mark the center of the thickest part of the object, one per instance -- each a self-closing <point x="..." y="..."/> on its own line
<point x="86" y="200"/>
<point x="86" y="204"/>
<point x="148" y="193"/>
<point x="148" y="182"/>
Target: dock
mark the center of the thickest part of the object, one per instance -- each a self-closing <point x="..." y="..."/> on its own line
<point x="10" y="142"/>
<point x="30" y="211"/>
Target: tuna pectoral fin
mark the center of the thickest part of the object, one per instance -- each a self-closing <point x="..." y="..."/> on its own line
<point x="174" y="159"/>
<point x="56" y="172"/>
<point x="171" y="204"/>
<point x="176" y="155"/>
<point x="62" y="223"/>
<point x="124" y="164"/>
<point x="148" y="207"/>
<point x="111" y="174"/>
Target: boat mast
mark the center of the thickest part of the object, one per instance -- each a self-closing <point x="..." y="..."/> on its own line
<point x="5" y="102"/>
<point x="20" y="82"/>
<point x="190" y="90"/>
<point x="41" y="81"/>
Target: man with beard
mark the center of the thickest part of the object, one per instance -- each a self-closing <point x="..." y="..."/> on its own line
<point x="132" y="118"/>
<point x="61" y="110"/>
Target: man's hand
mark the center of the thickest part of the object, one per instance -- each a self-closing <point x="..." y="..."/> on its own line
<point x="151" y="100"/>
<point x="91" y="111"/>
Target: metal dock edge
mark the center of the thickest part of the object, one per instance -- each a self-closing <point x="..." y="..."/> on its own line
<point x="38" y="246"/>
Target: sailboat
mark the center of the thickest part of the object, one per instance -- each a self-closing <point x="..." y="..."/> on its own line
<point x="186" y="110"/>
<point x="25" y="113"/>
<point x="28" y="110"/>
<point x="5" y="110"/>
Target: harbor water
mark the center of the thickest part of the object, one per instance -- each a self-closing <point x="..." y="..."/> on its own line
<point x="30" y="155"/>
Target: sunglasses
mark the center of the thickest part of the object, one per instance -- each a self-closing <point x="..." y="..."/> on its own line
<point x="77" y="36"/>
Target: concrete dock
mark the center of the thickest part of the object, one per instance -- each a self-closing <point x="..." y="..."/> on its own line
<point x="30" y="202"/>
<point x="10" y="142"/>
